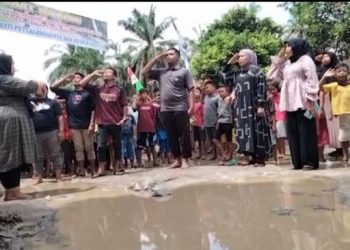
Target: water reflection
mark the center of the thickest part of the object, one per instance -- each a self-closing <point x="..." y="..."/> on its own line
<point x="213" y="217"/>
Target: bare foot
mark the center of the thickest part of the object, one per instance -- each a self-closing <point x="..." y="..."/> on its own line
<point x="38" y="181"/>
<point x="176" y="164"/>
<point x="17" y="196"/>
<point x="185" y="164"/>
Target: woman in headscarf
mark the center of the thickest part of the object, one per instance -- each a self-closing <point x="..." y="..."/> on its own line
<point x="17" y="136"/>
<point x="329" y="61"/>
<point x="299" y="94"/>
<point x="250" y="99"/>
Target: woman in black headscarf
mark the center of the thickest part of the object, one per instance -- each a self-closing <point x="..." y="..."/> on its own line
<point x="299" y="93"/>
<point x="17" y="136"/>
<point x="329" y="61"/>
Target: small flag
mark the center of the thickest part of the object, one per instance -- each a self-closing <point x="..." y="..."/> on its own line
<point x="134" y="80"/>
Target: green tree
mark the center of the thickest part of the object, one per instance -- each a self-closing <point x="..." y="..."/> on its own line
<point x="239" y="28"/>
<point x="149" y="36"/>
<point x="68" y="58"/>
<point x="325" y="24"/>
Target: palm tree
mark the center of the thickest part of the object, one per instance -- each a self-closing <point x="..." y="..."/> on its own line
<point x="67" y="58"/>
<point x="149" y="39"/>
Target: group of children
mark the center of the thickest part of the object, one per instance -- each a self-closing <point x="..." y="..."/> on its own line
<point x="213" y="122"/>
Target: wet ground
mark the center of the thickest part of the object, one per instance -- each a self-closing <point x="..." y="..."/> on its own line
<point x="214" y="208"/>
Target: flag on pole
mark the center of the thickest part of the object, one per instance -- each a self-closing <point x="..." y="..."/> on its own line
<point x="134" y="80"/>
<point x="182" y="46"/>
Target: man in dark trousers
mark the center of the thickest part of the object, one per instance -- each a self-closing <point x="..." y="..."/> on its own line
<point x="176" y="103"/>
<point x="111" y="110"/>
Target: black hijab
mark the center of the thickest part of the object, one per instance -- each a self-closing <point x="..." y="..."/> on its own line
<point x="5" y="69"/>
<point x="323" y="68"/>
<point x="333" y="62"/>
<point x="299" y="47"/>
<point x="5" y="64"/>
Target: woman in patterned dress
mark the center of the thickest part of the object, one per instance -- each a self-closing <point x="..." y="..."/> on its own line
<point x="17" y="136"/>
<point x="249" y="96"/>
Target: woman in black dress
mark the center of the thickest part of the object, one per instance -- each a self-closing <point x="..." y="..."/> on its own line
<point x="249" y="96"/>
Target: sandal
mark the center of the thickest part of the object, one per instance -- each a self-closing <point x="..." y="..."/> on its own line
<point x="232" y="162"/>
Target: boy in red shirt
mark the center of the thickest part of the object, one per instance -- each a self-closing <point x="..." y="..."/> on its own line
<point x="146" y="126"/>
<point x="198" y="122"/>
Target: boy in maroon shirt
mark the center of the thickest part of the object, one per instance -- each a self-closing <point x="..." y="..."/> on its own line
<point x="110" y="113"/>
<point x="146" y="126"/>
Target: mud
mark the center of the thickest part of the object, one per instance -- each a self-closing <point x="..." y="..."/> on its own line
<point x="28" y="226"/>
<point x="208" y="207"/>
<point x="274" y="215"/>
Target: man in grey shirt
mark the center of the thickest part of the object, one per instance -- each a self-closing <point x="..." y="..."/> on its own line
<point x="176" y="103"/>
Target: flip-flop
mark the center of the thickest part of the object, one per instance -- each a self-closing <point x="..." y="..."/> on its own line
<point x="232" y="162"/>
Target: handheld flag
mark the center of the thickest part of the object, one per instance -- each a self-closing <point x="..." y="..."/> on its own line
<point x="134" y="80"/>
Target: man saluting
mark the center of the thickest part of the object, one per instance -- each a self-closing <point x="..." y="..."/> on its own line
<point x="176" y="103"/>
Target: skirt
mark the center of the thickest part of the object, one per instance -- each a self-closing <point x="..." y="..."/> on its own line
<point x="332" y="124"/>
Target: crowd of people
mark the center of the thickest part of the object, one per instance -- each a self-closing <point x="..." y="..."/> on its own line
<point x="243" y="117"/>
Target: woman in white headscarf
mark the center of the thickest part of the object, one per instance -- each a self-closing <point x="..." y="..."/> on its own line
<point x="250" y="99"/>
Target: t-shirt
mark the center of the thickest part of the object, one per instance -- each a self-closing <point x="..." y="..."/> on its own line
<point x="279" y="115"/>
<point x="46" y="113"/>
<point x="224" y="111"/>
<point x="147" y="117"/>
<point x="174" y="85"/>
<point x="198" y="114"/>
<point x="159" y="122"/>
<point x="66" y="130"/>
<point x="340" y="97"/>
<point x="211" y="103"/>
<point x="128" y="126"/>
<point x="80" y="104"/>
<point x="110" y="100"/>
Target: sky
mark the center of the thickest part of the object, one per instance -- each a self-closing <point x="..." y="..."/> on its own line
<point x="28" y="51"/>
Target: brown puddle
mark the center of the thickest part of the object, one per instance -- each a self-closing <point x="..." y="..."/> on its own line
<point x="305" y="215"/>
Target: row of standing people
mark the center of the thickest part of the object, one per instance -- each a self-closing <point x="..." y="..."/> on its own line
<point x="299" y="93"/>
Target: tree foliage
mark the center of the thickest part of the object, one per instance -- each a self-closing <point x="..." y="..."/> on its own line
<point x="148" y="36"/>
<point x="324" y="24"/>
<point x="68" y="58"/>
<point x="239" y="28"/>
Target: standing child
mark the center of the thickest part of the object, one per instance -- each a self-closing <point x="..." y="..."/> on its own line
<point x="162" y="136"/>
<point x="224" y="124"/>
<point x="280" y="119"/>
<point x="145" y="126"/>
<point x="49" y="129"/>
<point x="198" y="122"/>
<point x="340" y="99"/>
<point x="210" y="113"/>
<point x="129" y="133"/>
<point x="271" y="121"/>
